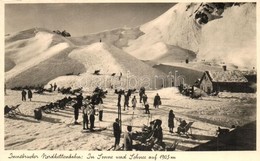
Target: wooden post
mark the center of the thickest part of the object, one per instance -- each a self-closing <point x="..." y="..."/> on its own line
<point x="120" y="115"/>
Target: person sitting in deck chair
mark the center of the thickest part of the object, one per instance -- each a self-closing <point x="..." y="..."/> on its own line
<point x="11" y="111"/>
<point x="181" y="127"/>
<point x="8" y="111"/>
<point x="156" y="139"/>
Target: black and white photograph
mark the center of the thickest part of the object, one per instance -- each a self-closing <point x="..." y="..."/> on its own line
<point x="130" y="76"/>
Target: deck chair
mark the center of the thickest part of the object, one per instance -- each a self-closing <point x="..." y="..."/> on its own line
<point x="12" y="111"/>
<point x="187" y="129"/>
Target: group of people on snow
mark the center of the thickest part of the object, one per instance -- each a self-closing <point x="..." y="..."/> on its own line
<point x="24" y="93"/>
<point x="92" y="104"/>
<point x="156" y="129"/>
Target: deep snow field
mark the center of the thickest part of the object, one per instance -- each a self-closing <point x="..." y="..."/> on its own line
<point x="56" y="130"/>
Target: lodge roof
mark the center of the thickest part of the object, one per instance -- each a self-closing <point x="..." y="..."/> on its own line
<point x="234" y="76"/>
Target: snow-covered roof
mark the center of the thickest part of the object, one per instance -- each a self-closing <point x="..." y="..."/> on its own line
<point x="227" y="76"/>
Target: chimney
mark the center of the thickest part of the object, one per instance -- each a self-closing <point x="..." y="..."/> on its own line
<point x="224" y="67"/>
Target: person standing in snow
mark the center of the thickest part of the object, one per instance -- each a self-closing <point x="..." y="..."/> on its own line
<point x="126" y="102"/>
<point x="128" y="141"/>
<point x="145" y="98"/>
<point x="146" y="107"/>
<point x="120" y="75"/>
<point x="141" y="93"/>
<point x="100" y="111"/>
<point x="120" y="93"/>
<point x="77" y="106"/>
<point x="51" y="87"/>
<point x="157" y="101"/>
<point x="23" y="95"/>
<point x="86" y="111"/>
<point x="79" y="99"/>
<point x="171" y="121"/>
<point x="55" y="86"/>
<point x="92" y="118"/>
<point x="134" y="102"/>
<point x="76" y="113"/>
<point x="30" y="94"/>
<point x="117" y="132"/>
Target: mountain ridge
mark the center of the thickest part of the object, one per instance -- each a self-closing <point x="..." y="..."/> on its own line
<point x="193" y="31"/>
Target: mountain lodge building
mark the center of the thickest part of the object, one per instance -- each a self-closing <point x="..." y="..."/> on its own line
<point x="219" y="81"/>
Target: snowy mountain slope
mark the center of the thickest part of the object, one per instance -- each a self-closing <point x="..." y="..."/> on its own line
<point x="175" y="54"/>
<point x="32" y="57"/>
<point x="117" y="37"/>
<point x="232" y="38"/>
<point x="174" y="27"/>
<point x="109" y="59"/>
<point x="40" y="74"/>
<point x="211" y="30"/>
<point x="38" y="49"/>
<point x="35" y="57"/>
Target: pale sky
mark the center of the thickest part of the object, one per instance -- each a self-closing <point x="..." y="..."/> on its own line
<point x="80" y="18"/>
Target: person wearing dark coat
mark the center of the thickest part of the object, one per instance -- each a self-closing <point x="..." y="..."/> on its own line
<point x="117" y="132"/>
<point x="145" y="98"/>
<point x="134" y="102"/>
<point x="146" y="107"/>
<point x="126" y="102"/>
<point x="79" y="99"/>
<point x="92" y="118"/>
<point x="54" y="86"/>
<point x="100" y="112"/>
<point x="94" y="99"/>
<point x="141" y="93"/>
<point x="171" y="121"/>
<point x="23" y="95"/>
<point x="77" y="106"/>
<point x="30" y="94"/>
<point x="157" y="101"/>
<point x="120" y="93"/>
<point x="181" y="126"/>
<point x="51" y="87"/>
<point x="157" y="134"/>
